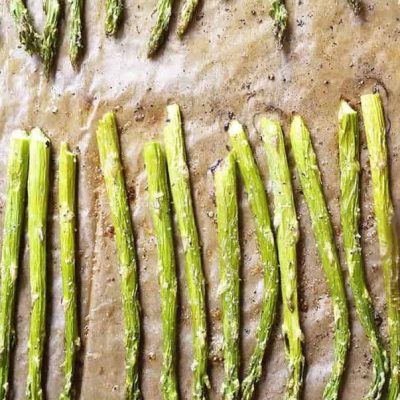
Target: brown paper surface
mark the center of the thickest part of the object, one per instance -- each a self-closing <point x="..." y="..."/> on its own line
<point x="227" y="62"/>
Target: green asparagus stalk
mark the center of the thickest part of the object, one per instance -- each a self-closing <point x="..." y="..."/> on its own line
<point x="287" y="236"/>
<point x="75" y="31"/>
<point x="310" y="180"/>
<point x="279" y="14"/>
<point x="13" y="223"/>
<point x="350" y="217"/>
<point x="188" y="9"/>
<point x="157" y="35"/>
<point x="259" y="208"/>
<point x="159" y="198"/>
<point x="182" y="199"/>
<point x="113" y="16"/>
<point x="67" y="199"/>
<point x="50" y="33"/>
<point x="229" y="264"/>
<point x="38" y="189"/>
<point x="387" y="235"/>
<point x="28" y="37"/>
<point x="355" y="5"/>
<point x="108" y="144"/>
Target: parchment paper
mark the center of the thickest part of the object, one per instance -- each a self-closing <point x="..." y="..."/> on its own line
<point x="227" y="62"/>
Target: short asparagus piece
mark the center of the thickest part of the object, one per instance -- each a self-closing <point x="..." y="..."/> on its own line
<point x="350" y="217"/>
<point x="388" y="241"/>
<point x="17" y="175"/>
<point x="182" y="199"/>
<point x="279" y="14"/>
<point x="188" y="9"/>
<point x="28" y="37"/>
<point x="113" y="16"/>
<point x="159" y="198"/>
<point x="229" y="264"/>
<point x="287" y="236"/>
<point x="75" y="31"/>
<point x="38" y="189"/>
<point x="157" y="35"/>
<point x="259" y="207"/>
<point x="310" y="180"/>
<point x="355" y="5"/>
<point x="50" y="33"/>
<point x="67" y="199"/>
<point x="108" y="144"/>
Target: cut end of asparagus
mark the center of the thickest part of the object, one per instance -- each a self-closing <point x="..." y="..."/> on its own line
<point x="19" y="134"/>
<point x="368" y="101"/>
<point x="106" y="125"/>
<point x="270" y="128"/>
<point x="38" y="135"/>
<point x="65" y="149"/>
<point x="150" y="149"/>
<point x="172" y="111"/>
<point x="345" y="109"/>
<point x="297" y="126"/>
<point x="235" y="128"/>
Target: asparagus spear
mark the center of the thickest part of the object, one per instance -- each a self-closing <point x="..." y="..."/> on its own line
<point x="355" y="5"/>
<point x="67" y="198"/>
<point x="188" y="9"/>
<point x="259" y="208"/>
<point x="75" y="31"/>
<point x="387" y="235"/>
<point x="182" y="199"/>
<point x="279" y="14"/>
<point x="38" y="189"/>
<point x="160" y="209"/>
<point x="229" y="264"/>
<point x="350" y="217"/>
<point x="13" y="223"/>
<point x="108" y="144"/>
<point x="50" y="33"/>
<point x="310" y="180"/>
<point x="159" y="30"/>
<point x="113" y="16"/>
<point x="287" y="236"/>
<point x="28" y="37"/>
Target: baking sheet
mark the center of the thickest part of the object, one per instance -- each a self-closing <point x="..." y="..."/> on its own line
<point x="226" y="63"/>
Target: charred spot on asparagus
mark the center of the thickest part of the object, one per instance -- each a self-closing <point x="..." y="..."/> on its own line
<point x="159" y="199"/>
<point x="310" y="180"/>
<point x="259" y="207"/>
<point x="287" y="236"/>
<point x="17" y="174"/>
<point x="387" y="235"/>
<point x="182" y="199"/>
<point x="229" y="265"/>
<point x="38" y="189"/>
<point x="350" y="218"/>
<point x="67" y="211"/>
<point x="108" y="145"/>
